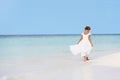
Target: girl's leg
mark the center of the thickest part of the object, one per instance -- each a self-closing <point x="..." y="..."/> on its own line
<point x="85" y="58"/>
<point x="87" y="55"/>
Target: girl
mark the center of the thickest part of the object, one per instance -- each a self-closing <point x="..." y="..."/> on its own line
<point x="85" y="43"/>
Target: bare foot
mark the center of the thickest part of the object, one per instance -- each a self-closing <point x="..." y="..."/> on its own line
<point x="88" y="59"/>
<point x="85" y="58"/>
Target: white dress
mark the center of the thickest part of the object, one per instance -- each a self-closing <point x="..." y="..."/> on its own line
<point x="84" y="47"/>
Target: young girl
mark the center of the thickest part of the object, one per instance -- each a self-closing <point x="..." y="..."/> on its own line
<point x="84" y="45"/>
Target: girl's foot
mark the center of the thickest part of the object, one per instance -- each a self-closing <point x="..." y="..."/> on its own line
<point x="88" y="58"/>
<point x="85" y="59"/>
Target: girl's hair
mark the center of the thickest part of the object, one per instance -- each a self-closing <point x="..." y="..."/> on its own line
<point x="87" y="28"/>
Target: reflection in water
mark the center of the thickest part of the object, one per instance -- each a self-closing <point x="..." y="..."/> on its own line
<point x="83" y="72"/>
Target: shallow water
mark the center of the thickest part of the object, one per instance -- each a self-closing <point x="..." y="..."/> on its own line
<point x="47" y="45"/>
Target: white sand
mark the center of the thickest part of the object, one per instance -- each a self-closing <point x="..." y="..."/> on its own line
<point x="60" y="67"/>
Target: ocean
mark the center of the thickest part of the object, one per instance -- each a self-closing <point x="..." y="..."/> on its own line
<point x="43" y="45"/>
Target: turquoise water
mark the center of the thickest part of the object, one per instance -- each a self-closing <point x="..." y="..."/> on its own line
<point x="50" y="45"/>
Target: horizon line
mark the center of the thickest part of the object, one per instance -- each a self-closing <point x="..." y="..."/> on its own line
<point x="49" y="34"/>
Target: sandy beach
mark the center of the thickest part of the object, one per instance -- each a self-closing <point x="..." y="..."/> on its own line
<point x="60" y="67"/>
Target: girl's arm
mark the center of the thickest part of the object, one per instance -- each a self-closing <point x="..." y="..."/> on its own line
<point x="90" y="40"/>
<point x="80" y="39"/>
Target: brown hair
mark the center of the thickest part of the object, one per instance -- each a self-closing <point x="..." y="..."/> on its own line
<point x="87" y="28"/>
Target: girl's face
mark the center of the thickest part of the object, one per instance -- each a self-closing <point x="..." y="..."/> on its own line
<point x="87" y="31"/>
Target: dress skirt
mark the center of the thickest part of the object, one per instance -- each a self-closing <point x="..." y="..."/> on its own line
<point x="82" y="48"/>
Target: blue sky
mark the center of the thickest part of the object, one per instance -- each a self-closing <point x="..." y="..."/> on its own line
<point x="59" y="16"/>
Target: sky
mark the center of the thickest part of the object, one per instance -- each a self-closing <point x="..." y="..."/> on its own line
<point x="59" y="16"/>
